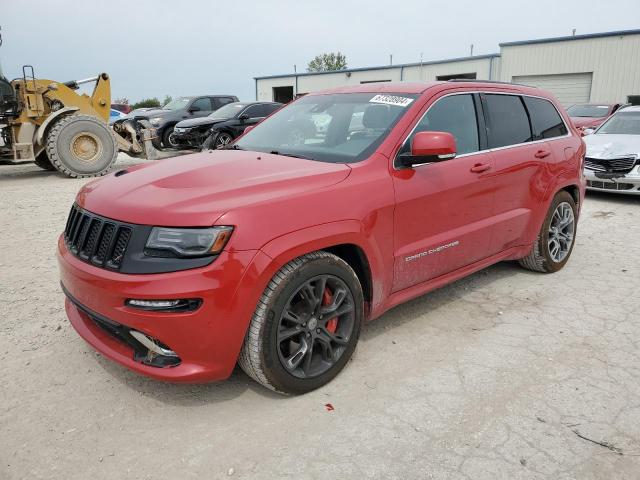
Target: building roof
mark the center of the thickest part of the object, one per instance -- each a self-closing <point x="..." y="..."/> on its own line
<point x="383" y="67"/>
<point x="572" y="37"/>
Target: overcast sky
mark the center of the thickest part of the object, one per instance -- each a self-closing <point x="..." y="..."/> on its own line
<point x="190" y="47"/>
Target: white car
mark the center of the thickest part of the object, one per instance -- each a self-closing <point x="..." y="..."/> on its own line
<point x="612" y="162"/>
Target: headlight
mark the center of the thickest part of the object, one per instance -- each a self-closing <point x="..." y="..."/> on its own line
<point x="187" y="242"/>
<point x="155" y="121"/>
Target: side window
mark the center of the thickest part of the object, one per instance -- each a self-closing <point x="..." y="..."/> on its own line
<point x="204" y="104"/>
<point x="508" y="122"/>
<point x="254" y="111"/>
<point x="221" y="101"/>
<point x="455" y="114"/>
<point x="545" y="119"/>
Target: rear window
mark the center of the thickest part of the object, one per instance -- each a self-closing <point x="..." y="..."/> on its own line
<point x="545" y="119"/>
<point x="508" y="120"/>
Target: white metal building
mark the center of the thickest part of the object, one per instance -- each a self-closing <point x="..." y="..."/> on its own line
<point x="599" y="67"/>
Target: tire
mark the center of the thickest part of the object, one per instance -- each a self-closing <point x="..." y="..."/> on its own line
<point x="265" y="354"/>
<point x="542" y="257"/>
<point x="166" y="138"/>
<point x="42" y="161"/>
<point x="88" y="135"/>
<point x="208" y="142"/>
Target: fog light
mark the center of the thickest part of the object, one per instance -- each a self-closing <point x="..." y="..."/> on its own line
<point x="177" y="305"/>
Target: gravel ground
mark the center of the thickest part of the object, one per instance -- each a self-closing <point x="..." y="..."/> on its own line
<point x="506" y="374"/>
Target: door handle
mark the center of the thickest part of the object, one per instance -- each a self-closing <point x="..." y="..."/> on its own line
<point x="480" y="167"/>
<point x="542" y="154"/>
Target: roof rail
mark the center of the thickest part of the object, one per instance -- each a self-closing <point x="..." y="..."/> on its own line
<point x="472" y="80"/>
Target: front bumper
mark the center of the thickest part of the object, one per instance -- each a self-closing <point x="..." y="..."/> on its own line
<point x="628" y="184"/>
<point x="191" y="137"/>
<point x="207" y="340"/>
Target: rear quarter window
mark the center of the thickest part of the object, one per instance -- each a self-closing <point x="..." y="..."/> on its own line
<point x="508" y="123"/>
<point x="545" y="119"/>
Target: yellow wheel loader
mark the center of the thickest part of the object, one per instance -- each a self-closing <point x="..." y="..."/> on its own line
<point x="49" y="123"/>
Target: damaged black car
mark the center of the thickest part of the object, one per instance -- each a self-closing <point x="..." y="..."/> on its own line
<point x="222" y="126"/>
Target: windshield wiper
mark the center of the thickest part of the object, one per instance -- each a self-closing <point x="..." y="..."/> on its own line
<point x="294" y="155"/>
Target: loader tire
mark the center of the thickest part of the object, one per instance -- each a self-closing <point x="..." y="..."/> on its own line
<point x="81" y="146"/>
<point x="42" y="161"/>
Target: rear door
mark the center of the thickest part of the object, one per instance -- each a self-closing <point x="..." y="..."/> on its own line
<point x="517" y="129"/>
<point x="443" y="209"/>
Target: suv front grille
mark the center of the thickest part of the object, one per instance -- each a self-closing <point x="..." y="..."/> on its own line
<point x="96" y="240"/>
<point x="621" y="165"/>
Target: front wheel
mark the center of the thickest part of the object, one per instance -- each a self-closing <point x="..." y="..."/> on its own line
<point x="556" y="238"/>
<point x="81" y="146"/>
<point x="306" y="325"/>
<point x="168" y="138"/>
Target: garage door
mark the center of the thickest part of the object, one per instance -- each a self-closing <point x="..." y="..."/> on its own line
<point x="568" y="88"/>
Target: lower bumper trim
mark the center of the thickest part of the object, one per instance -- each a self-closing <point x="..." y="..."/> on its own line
<point x="122" y="333"/>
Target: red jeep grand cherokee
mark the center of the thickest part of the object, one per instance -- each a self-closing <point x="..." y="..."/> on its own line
<point x="274" y="252"/>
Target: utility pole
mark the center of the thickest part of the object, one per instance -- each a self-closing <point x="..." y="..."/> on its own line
<point x="471" y="53"/>
<point x="294" y="68"/>
<point x="573" y="33"/>
<point x="391" y="59"/>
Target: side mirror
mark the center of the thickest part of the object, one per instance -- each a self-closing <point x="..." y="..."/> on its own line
<point x="194" y="108"/>
<point x="427" y="147"/>
<point x="243" y="117"/>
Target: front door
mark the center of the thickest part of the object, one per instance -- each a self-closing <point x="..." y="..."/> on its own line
<point x="443" y="214"/>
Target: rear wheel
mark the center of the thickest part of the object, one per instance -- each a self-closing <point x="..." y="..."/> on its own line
<point x="555" y="241"/>
<point x="42" y="161"/>
<point x="306" y="325"/>
<point x="81" y="146"/>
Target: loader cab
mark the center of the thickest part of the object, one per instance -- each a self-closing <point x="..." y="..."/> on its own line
<point x="8" y="99"/>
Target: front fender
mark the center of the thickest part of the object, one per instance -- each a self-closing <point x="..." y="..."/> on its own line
<point x="318" y="237"/>
<point x="42" y="130"/>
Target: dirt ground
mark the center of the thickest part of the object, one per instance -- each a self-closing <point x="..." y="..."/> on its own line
<point x="504" y="375"/>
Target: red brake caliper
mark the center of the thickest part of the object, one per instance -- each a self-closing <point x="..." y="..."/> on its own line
<point x="332" y="324"/>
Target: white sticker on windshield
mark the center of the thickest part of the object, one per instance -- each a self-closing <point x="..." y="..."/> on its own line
<point x="391" y="100"/>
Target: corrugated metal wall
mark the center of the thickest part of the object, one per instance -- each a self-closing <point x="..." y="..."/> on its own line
<point x="415" y="73"/>
<point x="613" y="61"/>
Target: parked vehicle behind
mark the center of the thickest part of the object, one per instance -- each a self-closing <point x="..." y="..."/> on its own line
<point x="273" y="253"/>
<point x="115" y="115"/>
<point x="165" y="119"/>
<point x="591" y="115"/>
<point x="222" y="126"/>
<point x="613" y="154"/>
<point x="125" y="108"/>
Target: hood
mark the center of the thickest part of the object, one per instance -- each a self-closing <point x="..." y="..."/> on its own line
<point x="156" y="112"/>
<point x="195" y="190"/>
<point x="198" y="122"/>
<point x="587" y="121"/>
<point x="600" y="145"/>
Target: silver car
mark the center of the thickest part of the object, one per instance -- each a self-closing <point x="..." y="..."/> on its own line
<point x="612" y="162"/>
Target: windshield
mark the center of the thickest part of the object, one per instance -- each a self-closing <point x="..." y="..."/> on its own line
<point x="596" y="111"/>
<point x="341" y="128"/>
<point x="228" y="111"/>
<point x="177" y="104"/>
<point x="622" y="123"/>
